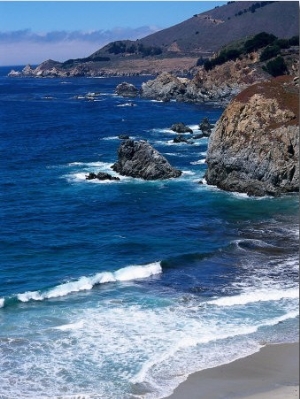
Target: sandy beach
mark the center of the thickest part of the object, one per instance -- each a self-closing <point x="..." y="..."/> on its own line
<point x="271" y="373"/>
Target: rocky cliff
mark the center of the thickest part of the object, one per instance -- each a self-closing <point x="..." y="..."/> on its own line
<point x="255" y="147"/>
<point x="218" y="85"/>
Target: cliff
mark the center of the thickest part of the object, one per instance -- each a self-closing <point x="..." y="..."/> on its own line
<point x="255" y="147"/>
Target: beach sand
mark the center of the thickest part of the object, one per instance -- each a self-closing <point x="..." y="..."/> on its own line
<point x="271" y="373"/>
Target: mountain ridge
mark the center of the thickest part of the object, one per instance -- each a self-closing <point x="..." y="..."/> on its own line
<point x="178" y="48"/>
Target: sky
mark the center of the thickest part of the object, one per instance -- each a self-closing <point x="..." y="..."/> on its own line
<point x="34" y="31"/>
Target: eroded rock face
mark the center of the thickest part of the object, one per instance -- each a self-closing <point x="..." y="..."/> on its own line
<point x="255" y="147"/>
<point x="139" y="159"/>
<point x="164" y="88"/>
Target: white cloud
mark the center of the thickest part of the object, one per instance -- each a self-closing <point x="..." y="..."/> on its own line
<point x="27" y="47"/>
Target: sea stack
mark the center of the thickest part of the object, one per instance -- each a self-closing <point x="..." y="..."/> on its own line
<point x="139" y="159"/>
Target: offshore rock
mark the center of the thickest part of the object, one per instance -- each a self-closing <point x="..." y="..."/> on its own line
<point x="164" y="88"/>
<point x="206" y="127"/>
<point x="125" y="89"/>
<point x="255" y="147"/>
<point x="181" y="128"/>
<point x="139" y="159"/>
<point x="100" y="176"/>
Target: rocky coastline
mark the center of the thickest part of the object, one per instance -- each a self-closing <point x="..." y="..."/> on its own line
<point x="255" y="146"/>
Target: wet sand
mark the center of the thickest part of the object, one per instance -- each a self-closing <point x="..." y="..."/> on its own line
<point x="271" y="373"/>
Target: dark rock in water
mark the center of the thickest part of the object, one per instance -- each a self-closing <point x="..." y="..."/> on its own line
<point x="123" y="137"/>
<point x="181" y="139"/>
<point x="139" y="159"/>
<point x="205" y="126"/>
<point x="181" y="128"/>
<point x="100" y="176"/>
<point x="125" y="89"/>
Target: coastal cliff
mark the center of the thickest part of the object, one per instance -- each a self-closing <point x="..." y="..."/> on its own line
<point x="255" y="147"/>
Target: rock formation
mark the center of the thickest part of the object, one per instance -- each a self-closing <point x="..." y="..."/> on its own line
<point x="255" y="147"/>
<point x="125" y="89"/>
<point x="206" y="127"/>
<point x="180" y="127"/>
<point x="100" y="176"/>
<point x="164" y="88"/>
<point x="140" y="159"/>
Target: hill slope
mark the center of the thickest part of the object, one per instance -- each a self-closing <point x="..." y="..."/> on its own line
<point x="177" y="49"/>
<point x="209" y="31"/>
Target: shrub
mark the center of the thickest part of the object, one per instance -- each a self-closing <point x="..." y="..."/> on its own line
<point x="269" y="52"/>
<point x="258" y="41"/>
<point x="276" y="67"/>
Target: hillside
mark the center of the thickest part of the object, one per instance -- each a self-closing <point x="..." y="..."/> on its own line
<point x="178" y="48"/>
<point x="206" y="33"/>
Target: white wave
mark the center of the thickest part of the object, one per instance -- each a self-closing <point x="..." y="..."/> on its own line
<point x="2" y="301"/>
<point x="263" y="295"/>
<point x="199" y="162"/>
<point x="97" y="164"/>
<point x="111" y="138"/>
<point x="71" y="326"/>
<point x="128" y="273"/>
<point x="188" y="173"/>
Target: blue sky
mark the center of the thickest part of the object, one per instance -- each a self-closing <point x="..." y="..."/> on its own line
<point x="33" y="31"/>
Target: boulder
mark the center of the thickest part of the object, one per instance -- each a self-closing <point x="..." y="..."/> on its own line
<point x="255" y="147"/>
<point x="205" y="126"/>
<point x="181" y="139"/>
<point x="164" y="88"/>
<point x="125" y="89"/>
<point x="101" y="176"/>
<point x="181" y="128"/>
<point x="139" y="159"/>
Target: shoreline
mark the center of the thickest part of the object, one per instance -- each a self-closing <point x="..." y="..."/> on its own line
<point x="271" y="373"/>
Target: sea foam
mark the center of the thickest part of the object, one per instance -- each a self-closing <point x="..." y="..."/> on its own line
<point x="256" y="296"/>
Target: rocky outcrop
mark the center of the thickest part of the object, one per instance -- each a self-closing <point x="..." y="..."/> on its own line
<point x="140" y="159"/>
<point x="180" y="127"/>
<point x="219" y="85"/>
<point x="164" y="88"/>
<point x="255" y="147"/>
<point x="206" y="127"/>
<point x="100" y="176"/>
<point x="125" y="89"/>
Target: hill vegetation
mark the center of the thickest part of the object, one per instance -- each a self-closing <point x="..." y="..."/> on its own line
<point x="271" y="46"/>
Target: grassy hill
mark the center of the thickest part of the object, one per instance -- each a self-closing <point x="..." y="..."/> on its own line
<point x="178" y="49"/>
<point x="205" y="33"/>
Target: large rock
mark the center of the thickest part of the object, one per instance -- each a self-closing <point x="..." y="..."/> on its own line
<point x="140" y="159"/>
<point x="164" y="88"/>
<point x="125" y="89"/>
<point x="180" y="127"/>
<point x="255" y="147"/>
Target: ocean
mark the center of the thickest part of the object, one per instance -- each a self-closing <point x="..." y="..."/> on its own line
<point x="121" y="289"/>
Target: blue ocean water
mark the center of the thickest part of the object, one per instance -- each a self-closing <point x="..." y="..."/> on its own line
<point x="120" y="289"/>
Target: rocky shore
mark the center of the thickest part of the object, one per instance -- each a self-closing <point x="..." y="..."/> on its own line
<point x="255" y="147"/>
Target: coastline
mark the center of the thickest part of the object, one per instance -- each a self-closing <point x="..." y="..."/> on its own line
<point x="271" y="373"/>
